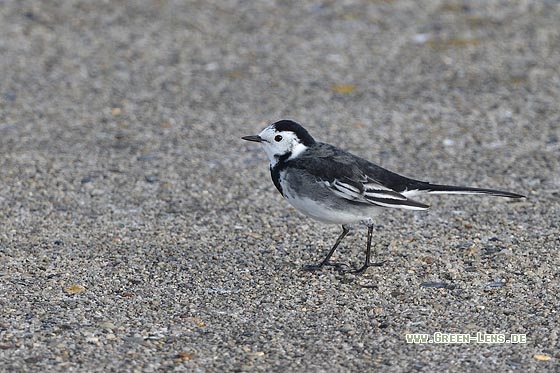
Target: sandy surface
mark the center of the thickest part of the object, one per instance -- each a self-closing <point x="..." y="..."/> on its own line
<point x="139" y="233"/>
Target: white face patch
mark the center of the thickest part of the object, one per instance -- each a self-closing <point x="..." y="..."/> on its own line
<point x="279" y="143"/>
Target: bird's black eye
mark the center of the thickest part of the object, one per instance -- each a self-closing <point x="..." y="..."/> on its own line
<point x="278" y="138"/>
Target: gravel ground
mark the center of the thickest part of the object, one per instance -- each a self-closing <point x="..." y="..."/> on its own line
<point x="139" y="233"/>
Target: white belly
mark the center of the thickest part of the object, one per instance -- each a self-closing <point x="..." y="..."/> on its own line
<point x="319" y="212"/>
<point x="337" y="211"/>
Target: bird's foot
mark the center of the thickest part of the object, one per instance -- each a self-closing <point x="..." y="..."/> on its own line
<point x="318" y="267"/>
<point x="363" y="268"/>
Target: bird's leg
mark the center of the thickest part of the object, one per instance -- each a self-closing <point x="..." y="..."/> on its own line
<point x="368" y="252"/>
<point x="314" y="267"/>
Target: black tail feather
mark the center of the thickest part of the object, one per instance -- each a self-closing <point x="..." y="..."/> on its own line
<point x="451" y="189"/>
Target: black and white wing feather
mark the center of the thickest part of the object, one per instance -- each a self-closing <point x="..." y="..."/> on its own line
<point x="354" y="178"/>
<point x="369" y="191"/>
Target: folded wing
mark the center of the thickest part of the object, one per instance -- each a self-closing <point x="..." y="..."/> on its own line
<point x="368" y="191"/>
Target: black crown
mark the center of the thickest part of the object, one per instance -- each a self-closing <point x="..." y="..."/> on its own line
<point x="302" y="134"/>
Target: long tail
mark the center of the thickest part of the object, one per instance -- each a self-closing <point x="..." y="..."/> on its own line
<point x="423" y="187"/>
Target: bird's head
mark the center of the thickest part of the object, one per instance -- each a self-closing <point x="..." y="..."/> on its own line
<point x="284" y="139"/>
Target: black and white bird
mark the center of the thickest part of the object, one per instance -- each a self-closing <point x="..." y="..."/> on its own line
<point x="333" y="186"/>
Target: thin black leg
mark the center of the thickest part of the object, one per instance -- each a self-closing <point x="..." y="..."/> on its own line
<point x="368" y="254"/>
<point x="314" y="267"/>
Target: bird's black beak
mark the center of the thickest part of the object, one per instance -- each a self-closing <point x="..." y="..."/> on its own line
<point x="255" y="138"/>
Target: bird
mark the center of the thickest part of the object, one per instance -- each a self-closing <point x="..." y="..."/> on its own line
<point x="333" y="186"/>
